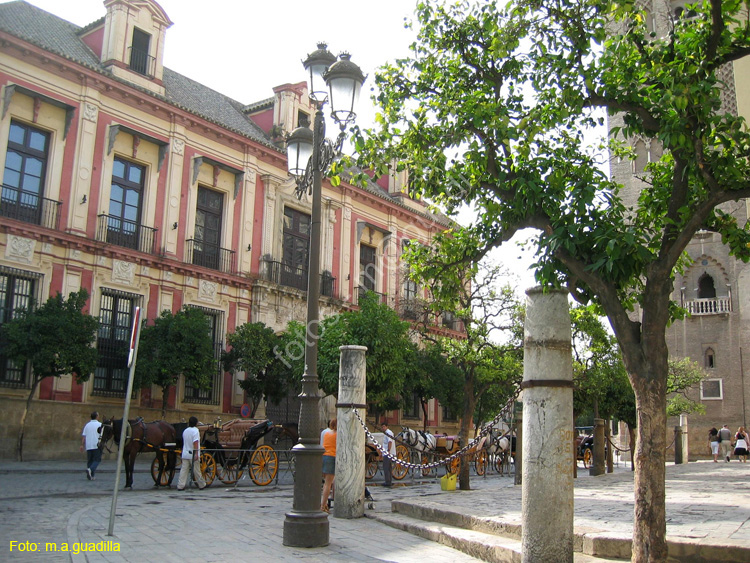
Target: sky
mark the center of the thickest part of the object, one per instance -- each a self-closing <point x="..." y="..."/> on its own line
<point x="244" y="48"/>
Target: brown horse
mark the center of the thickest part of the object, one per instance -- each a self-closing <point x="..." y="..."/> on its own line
<point x="287" y="430"/>
<point x="142" y="437"/>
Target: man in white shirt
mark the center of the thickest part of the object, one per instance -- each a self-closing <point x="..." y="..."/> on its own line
<point x="191" y="456"/>
<point x="389" y="445"/>
<point x="90" y="442"/>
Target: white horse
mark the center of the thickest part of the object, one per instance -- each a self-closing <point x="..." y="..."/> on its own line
<point x="418" y="440"/>
<point x="500" y="447"/>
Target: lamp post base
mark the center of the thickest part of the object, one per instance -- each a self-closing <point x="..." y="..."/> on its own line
<point x="306" y="529"/>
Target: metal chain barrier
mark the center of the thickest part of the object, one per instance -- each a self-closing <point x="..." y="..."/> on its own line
<point x="427" y="466"/>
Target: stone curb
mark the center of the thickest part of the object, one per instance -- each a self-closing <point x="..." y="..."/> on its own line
<point x="594" y="543"/>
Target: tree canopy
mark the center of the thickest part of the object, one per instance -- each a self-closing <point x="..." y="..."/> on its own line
<point x="492" y="108"/>
<point x="56" y="339"/>
<point x="176" y="344"/>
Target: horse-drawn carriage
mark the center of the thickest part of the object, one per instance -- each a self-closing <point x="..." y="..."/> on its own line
<point x="584" y="444"/>
<point x="424" y="448"/>
<point x="227" y="450"/>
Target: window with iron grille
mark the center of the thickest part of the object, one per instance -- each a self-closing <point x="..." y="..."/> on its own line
<point x="116" y="311"/>
<point x="413" y="407"/>
<point x="296" y="245"/>
<point x="211" y="395"/>
<point x="18" y="291"/>
<point x="25" y="170"/>
<point x="448" y="414"/>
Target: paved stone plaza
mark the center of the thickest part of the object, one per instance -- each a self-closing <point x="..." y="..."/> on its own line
<point x="44" y="502"/>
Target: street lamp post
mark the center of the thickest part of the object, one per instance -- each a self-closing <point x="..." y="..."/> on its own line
<point x="309" y="154"/>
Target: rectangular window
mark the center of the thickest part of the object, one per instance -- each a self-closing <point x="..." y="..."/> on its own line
<point x="125" y="201"/>
<point x="17" y="292"/>
<point x="24" y="174"/>
<point x="116" y="312"/>
<point x="295" y="249"/>
<point x="208" y="218"/>
<point x="449" y="415"/>
<point x="413" y="408"/>
<point x="140" y="60"/>
<point x="210" y="396"/>
<point x="367" y="273"/>
<point x="712" y="389"/>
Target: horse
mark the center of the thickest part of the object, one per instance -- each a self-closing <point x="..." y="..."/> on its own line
<point x="423" y="442"/>
<point x="288" y="430"/>
<point x="502" y="445"/>
<point x="142" y="437"/>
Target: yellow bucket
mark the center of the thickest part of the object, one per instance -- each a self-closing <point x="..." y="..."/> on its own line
<point x="448" y="482"/>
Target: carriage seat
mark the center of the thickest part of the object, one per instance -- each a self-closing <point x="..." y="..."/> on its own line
<point x="231" y="434"/>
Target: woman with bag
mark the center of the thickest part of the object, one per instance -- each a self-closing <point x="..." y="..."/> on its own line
<point x="740" y="447"/>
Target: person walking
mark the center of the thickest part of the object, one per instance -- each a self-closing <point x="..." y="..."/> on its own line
<point x="713" y="442"/>
<point x="741" y="444"/>
<point x="329" y="463"/>
<point x="90" y="442"/>
<point x="389" y="445"/>
<point x="191" y="456"/>
<point x="725" y="439"/>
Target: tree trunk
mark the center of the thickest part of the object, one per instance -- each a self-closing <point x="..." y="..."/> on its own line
<point x="609" y="447"/>
<point x="632" y="440"/>
<point x="424" y="415"/>
<point x="164" y="400"/>
<point x="19" y="444"/>
<point x="649" y="524"/>
<point x="465" y="431"/>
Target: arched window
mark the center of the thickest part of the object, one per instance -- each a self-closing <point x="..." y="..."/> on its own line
<point x="706" y="288"/>
<point x="709" y="359"/>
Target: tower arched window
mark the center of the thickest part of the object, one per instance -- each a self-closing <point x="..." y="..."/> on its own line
<point x="706" y="287"/>
<point x="641" y="156"/>
<point x="709" y="359"/>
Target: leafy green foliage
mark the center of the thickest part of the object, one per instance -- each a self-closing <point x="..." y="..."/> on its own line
<point x="389" y="354"/>
<point x="57" y="338"/>
<point x="176" y="344"/>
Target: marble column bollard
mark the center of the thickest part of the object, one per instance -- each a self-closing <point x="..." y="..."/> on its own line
<point x="684" y="437"/>
<point x="349" y="482"/>
<point x="547" y="499"/>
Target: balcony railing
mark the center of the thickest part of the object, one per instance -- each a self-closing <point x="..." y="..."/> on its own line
<point x="360" y="292"/>
<point x="211" y="256"/>
<point x="712" y="306"/>
<point x="413" y="310"/>
<point x="291" y="276"/>
<point x="141" y="62"/>
<point x="30" y="208"/>
<point x="129" y="234"/>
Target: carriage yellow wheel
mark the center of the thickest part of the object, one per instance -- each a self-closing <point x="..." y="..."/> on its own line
<point x="399" y="471"/>
<point x="454" y="466"/>
<point x="167" y="475"/>
<point x="264" y="464"/>
<point x="208" y="467"/>
<point x="480" y="462"/>
<point x="228" y="470"/>
<point x="371" y="465"/>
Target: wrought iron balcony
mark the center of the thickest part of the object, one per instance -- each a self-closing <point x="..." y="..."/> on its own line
<point x="142" y="63"/>
<point x="291" y="276"/>
<point x="413" y="310"/>
<point x="29" y="207"/>
<point x="211" y="256"/>
<point x="710" y="306"/>
<point x="360" y="292"/>
<point x="129" y="234"/>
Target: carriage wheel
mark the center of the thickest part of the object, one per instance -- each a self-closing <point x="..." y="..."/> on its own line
<point x="208" y="468"/>
<point x="480" y="462"/>
<point x="167" y="474"/>
<point x="399" y="471"/>
<point x="454" y="466"/>
<point x="588" y="458"/>
<point x="371" y="465"/>
<point x="229" y="471"/>
<point x="264" y="464"/>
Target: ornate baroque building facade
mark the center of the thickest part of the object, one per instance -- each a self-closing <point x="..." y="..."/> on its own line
<point x="714" y="288"/>
<point x="151" y="190"/>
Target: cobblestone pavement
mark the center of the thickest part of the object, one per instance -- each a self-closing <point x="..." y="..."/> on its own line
<point x="44" y="502"/>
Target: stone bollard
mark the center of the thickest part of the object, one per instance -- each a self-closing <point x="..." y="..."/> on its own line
<point x="598" y="467"/>
<point x="685" y="438"/>
<point x="547" y="497"/>
<point x="350" y="438"/>
<point x="678" y="454"/>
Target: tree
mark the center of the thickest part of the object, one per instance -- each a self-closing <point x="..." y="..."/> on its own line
<point x="488" y="355"/>
<point x="491" y="108"/>
<point x="252" y="350"/>
<point x="433" y="376"/>
<point x="55" y="339"/>
<point x="176" y="344"/>
<point x="389" y="355"/>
